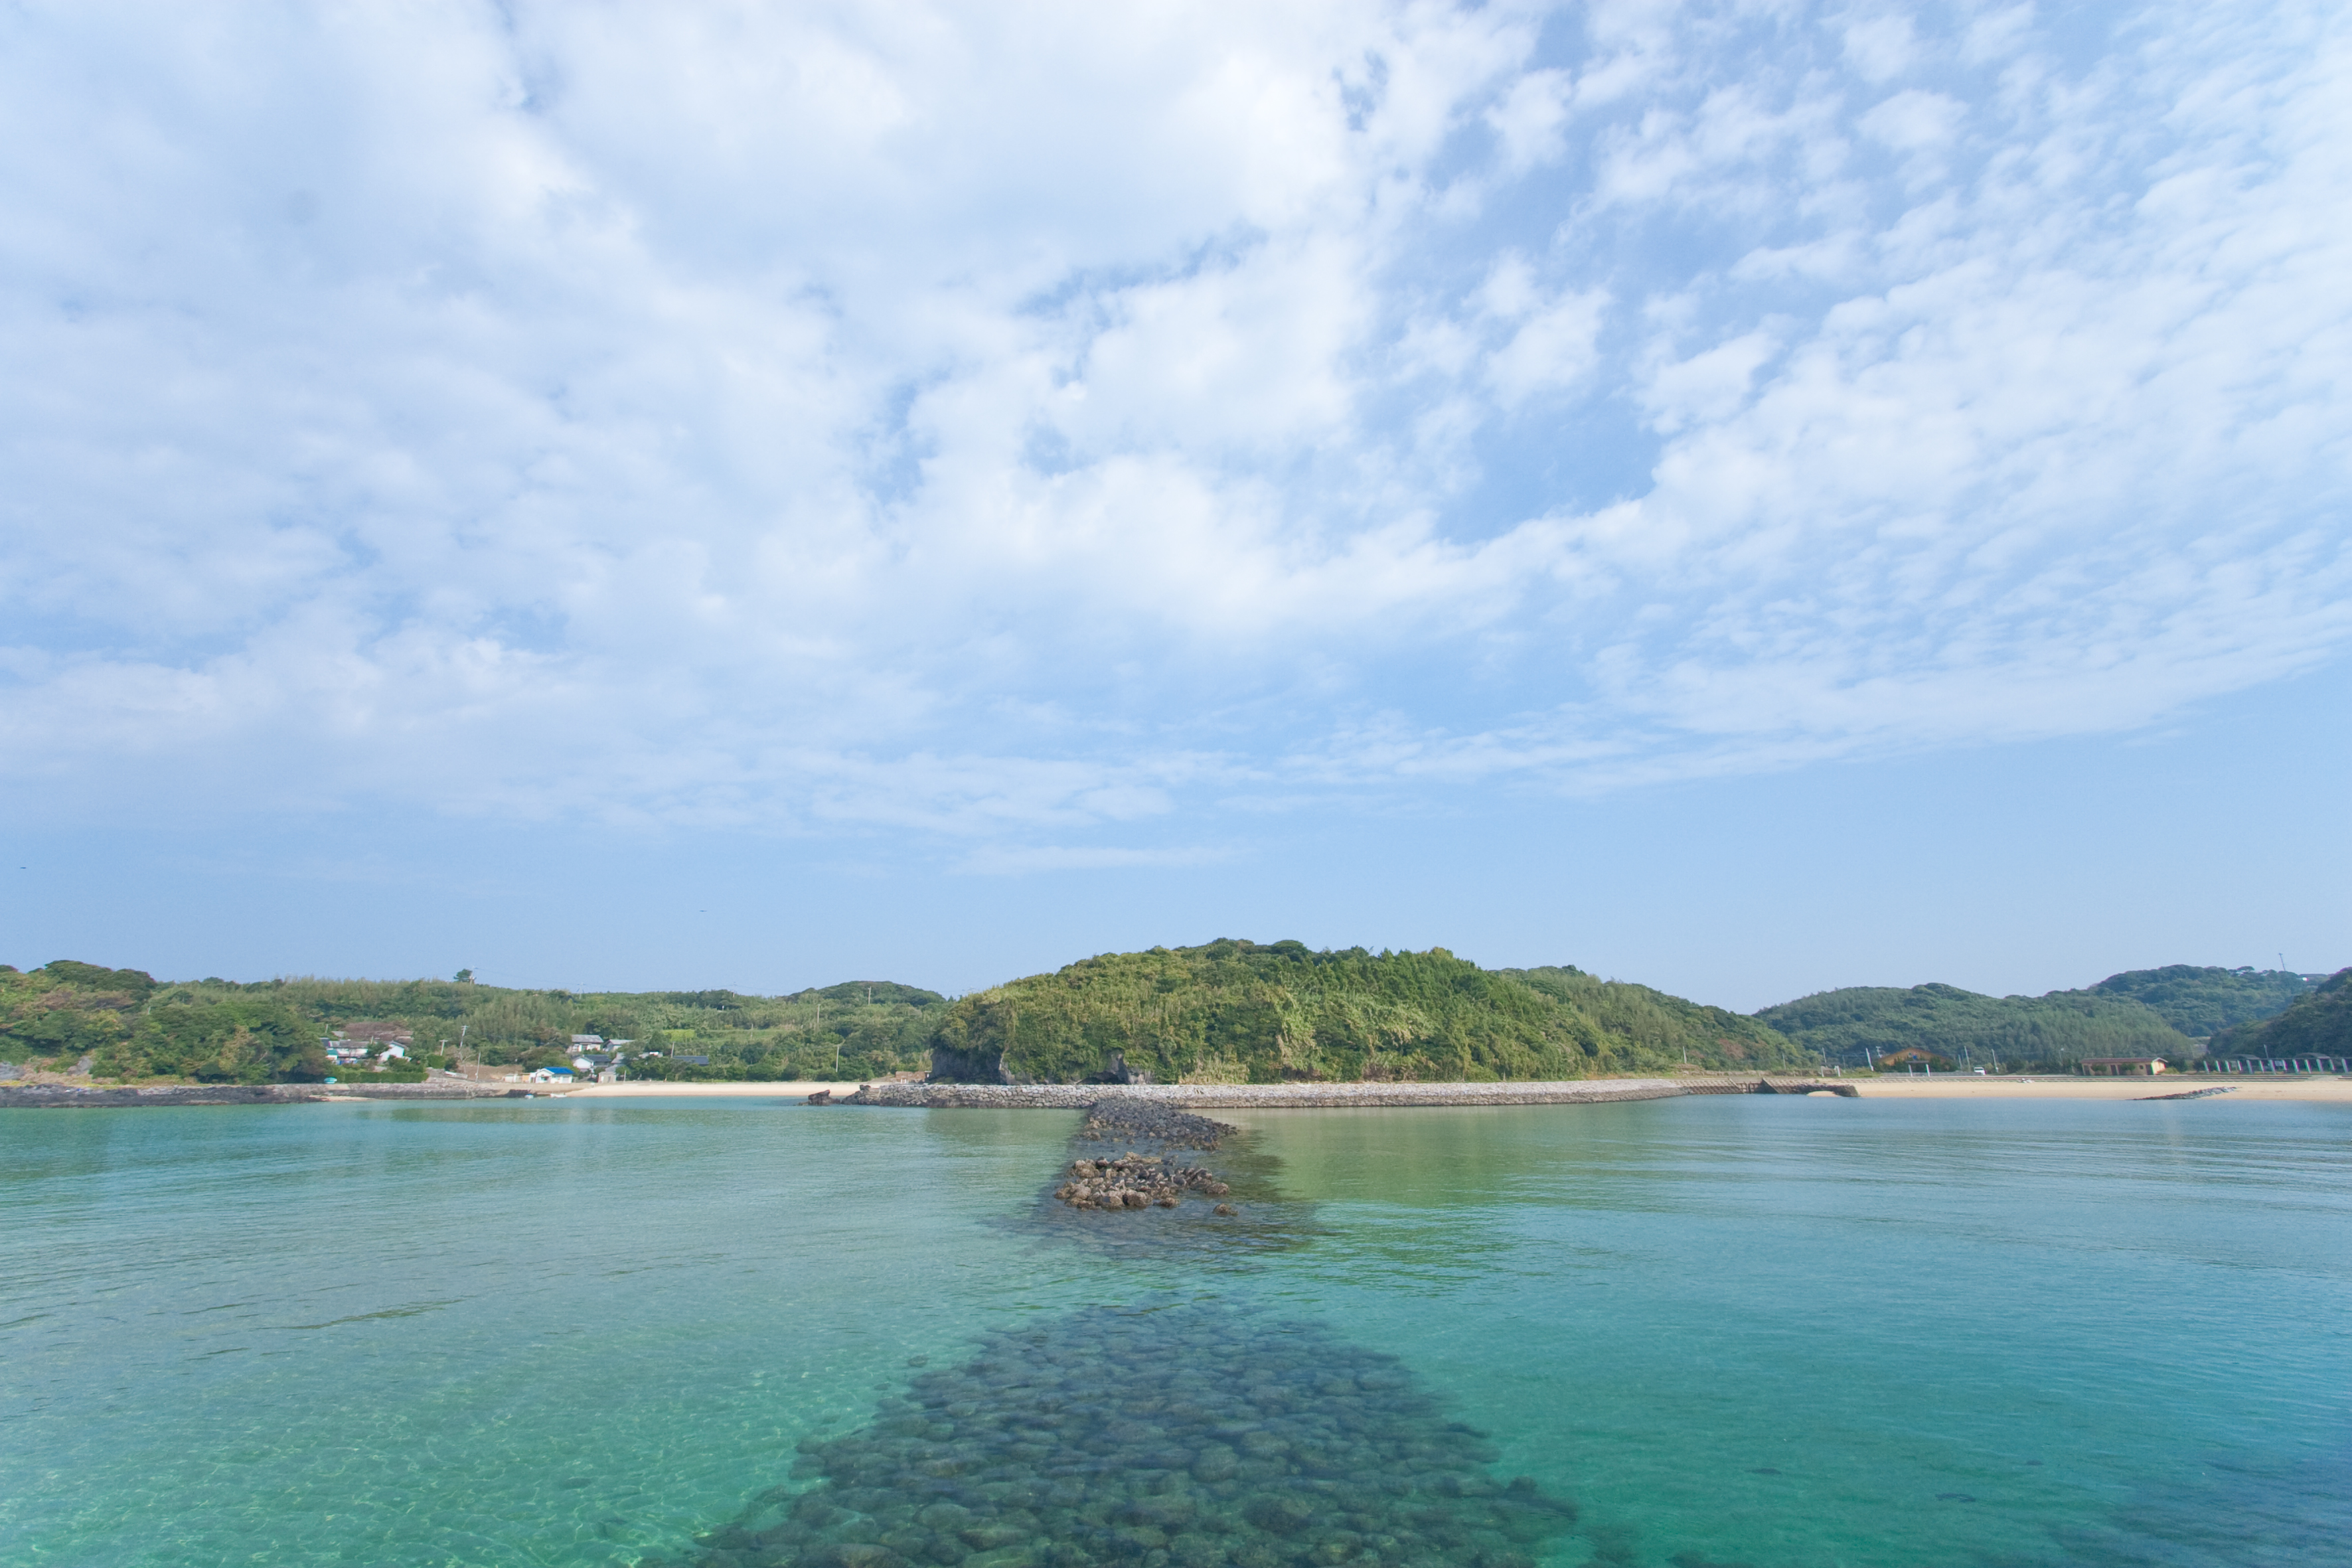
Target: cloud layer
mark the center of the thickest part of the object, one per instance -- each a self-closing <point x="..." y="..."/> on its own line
<point x="1061" y="433"/>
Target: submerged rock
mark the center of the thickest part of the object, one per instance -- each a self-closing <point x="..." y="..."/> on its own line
<point x="1187" y="1436"/>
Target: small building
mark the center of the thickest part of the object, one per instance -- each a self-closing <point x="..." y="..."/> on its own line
<point x="2119" y="1067"/>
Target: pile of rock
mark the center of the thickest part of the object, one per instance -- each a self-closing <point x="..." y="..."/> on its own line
<point x="1134" y="1181"/>
<point x="1185" y="1435"/>
<point x="1138" y="1121"/>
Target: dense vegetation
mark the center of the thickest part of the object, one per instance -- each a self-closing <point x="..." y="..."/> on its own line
<point x="2141" y="1013"/>
<point x="2200" y="1001"/>
<point x="1236" y="1012"/>
<point x="2316" y="1024"/>
<point x="1955" y="1028"/>
<point x="131" y="1027"/>
<point x="1228" y="1011"/>
<point x="126" y="1026"/>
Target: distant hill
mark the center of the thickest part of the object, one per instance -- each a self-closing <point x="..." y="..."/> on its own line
<point x="132" y="1028"/>
<point x="2316" y="1024"/>
<point x="2140" y="1012"/>
<point x="1225" y="1010"/>
<point x="2200" y="1001"/>
<point x="1233" y="1011"/>
<point x="1963" y="1028"/>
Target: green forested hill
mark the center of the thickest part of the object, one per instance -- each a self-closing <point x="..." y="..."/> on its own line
<point x="1227" y="1011"/>
<point x="130" y="1026"/>
<point x="126" y="1026"/>
<point x="2140" y="1013"/>
<point x="1236" y="1012"/>
<point x="1965" y="1028"/>
<point x="2200" y="1001"/>
<point x="2316" y="1024"/>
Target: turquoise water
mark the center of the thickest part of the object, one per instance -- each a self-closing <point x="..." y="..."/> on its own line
<point x="1732" y="1329"/>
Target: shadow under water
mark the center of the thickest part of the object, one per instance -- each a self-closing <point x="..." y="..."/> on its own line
<point x="1177" y="1434"/>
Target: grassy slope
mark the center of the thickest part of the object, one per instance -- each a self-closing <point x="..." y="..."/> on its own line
<point x="1235" y="1011"/>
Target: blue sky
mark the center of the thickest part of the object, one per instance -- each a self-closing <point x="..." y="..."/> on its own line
<point x="1748" y="497"/>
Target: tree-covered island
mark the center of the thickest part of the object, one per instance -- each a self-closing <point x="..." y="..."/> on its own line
<point x="1238" y="1012"/>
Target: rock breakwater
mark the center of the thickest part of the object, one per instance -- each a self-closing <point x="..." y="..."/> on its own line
<point x="1131" y="1120"/>
<point x="1135" y="1181"/>
<point x="1175" y="1434"/>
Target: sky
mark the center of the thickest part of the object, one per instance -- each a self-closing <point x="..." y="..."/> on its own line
<point x="1748" y="497"/>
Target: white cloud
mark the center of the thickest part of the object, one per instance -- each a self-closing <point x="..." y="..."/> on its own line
<point x="1880" y="47"/>
<point x="1012" y="860"/>
<point x="1530" y="119"/>
<point x="1914" y="119"/>
<point x="1028" y="427"/>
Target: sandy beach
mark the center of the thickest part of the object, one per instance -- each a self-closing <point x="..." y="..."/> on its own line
<point x="1941" y="1085"/>
<point x="1956" y="1086"/>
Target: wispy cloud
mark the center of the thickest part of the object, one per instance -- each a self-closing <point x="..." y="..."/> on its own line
<point x="1016" y="860"/>
<point x="1002" y="427"/>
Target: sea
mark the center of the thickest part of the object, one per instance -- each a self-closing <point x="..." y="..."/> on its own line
<point x="1683" y="1334"/>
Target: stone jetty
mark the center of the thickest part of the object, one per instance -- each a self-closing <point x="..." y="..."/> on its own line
<point x="1169" y="1435"/>
<point x="1131" y="1120"/>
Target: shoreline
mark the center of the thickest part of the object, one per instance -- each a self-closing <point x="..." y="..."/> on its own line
<point x="1941" y="1085"/>
<point x="2313" y="1087"/>
<point x="2273" y="1087"/>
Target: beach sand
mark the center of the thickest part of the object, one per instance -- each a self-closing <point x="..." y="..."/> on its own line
<point x="1893" y="1086"/>
<point x="1961" y="1086"/>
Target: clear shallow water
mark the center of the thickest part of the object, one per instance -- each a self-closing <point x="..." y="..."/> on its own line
<point x="1733" y="1330"/>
